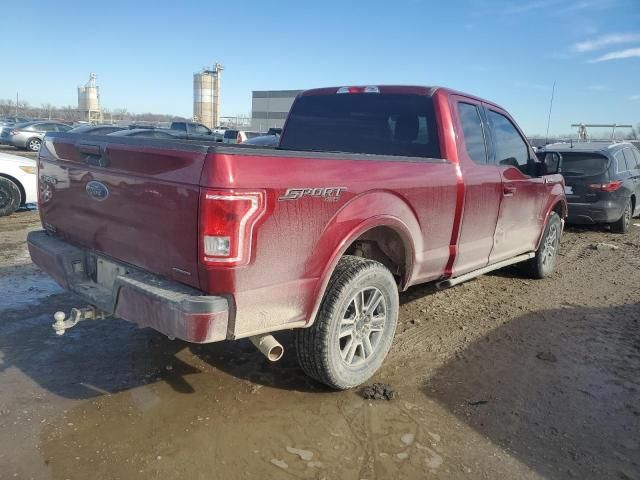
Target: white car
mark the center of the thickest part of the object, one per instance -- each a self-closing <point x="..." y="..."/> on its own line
<point x="18" y="182"/>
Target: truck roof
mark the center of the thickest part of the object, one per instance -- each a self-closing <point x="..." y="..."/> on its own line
<point x="398" y="89"/>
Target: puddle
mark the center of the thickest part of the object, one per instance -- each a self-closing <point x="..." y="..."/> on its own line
<point x="23" y="286"/>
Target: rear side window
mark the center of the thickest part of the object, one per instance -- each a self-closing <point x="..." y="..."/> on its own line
<point x="63" y="128"/>
<point x="511" y="149"/>
<point x="472" y="132"/>
<point x="179" y="126"/>
<point x="230" y="133"/>
<point x="621" y="161"/>
<point x="370" y="123"/>
<point x="636" y="156"/>
<point x="583" y="164"/>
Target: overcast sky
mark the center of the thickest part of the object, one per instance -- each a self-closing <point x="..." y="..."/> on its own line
<point x="145" y="52"/>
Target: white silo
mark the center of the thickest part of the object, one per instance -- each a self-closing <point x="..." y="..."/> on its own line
<point x="206" y="96"/>
<point x="89" y="100"/>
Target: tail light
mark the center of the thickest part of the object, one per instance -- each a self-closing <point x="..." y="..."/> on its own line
<point x="239" y="138"/>
<point x="227" y="219"/>
<point x="606" y="187"/>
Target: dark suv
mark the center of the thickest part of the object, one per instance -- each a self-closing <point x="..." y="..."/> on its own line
<point x="602" y="181"/>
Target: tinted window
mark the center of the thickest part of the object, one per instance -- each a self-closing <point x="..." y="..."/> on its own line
<point x="583" y="164"/>
<point x="386" y="124"/>
<point x="472" y="132"/>
<point x="45" y="127"/>
<point x="230" y="133"/>
<point x="179" y="126"/>
<point x="62" y="128"/>
<point x="511" y="149"/>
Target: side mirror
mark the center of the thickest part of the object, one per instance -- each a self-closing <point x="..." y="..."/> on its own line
<point x="553" y="162"/>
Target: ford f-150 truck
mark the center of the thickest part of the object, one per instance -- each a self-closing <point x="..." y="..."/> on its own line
<point x="371" y="190"/>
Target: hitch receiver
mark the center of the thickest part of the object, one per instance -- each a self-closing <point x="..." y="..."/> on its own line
<point x="77" y="315"/>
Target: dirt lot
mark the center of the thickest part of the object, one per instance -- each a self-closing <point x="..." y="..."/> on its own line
<point x="502" y="377"/>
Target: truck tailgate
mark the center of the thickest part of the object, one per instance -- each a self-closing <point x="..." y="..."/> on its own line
<point x="134" y="200"/>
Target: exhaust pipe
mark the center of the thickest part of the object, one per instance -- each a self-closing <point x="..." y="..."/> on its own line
<point x="268" y="346"/>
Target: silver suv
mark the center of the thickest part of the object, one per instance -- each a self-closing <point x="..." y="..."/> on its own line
<point x="29" y="135"/>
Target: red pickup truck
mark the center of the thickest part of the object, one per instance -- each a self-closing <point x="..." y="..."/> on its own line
<point x="371" y="190"/>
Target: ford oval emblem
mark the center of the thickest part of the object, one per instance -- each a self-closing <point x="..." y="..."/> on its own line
<point x="97" y="190"/>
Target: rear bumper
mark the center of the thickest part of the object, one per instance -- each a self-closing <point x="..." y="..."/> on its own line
<point x="605" y="211"/>
<point x="134" y="295"/>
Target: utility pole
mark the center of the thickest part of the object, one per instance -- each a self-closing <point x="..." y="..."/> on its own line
<point x="17" y="101"/>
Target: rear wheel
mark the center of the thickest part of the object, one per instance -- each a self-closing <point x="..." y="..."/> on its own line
<point x="544" y="263"/>
<point x="355" y="325"/>
<point x="9" y="197"/>
<point x="33" y="144"/>
<point x="622" y="225"/>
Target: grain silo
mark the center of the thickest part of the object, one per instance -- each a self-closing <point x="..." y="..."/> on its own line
<point x="206" y="96"/>
<point x="89" y="100"/>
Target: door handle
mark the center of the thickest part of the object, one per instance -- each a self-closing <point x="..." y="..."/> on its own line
<point x="508" y="190"/>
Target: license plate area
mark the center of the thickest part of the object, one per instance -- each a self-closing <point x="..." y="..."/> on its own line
<point x="107" y="271"/>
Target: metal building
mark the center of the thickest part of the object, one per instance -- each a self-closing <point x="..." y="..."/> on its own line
<point x="89" y="101"/>
<point x="269" y="108"/>
<point x="206" y="96"/>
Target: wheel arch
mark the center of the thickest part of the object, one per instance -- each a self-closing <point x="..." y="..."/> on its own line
<point x="374" y="217"/>
<point x="560" y="207"/>
<point x="23" y="193"/>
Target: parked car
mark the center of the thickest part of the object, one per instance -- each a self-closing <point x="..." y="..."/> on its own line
<point x="264" y="141"/>
<point x="195" y="131"/>
<point x="145" y="132"/>
<point x="602" y="182"/>
<point x="29" y="135"/>
<point x="96" y="129"/>
<point x="239" y="136"/>
<point x="372" y="190"/>
<point x="18" y="182"/>
<point x="274" y="131"/>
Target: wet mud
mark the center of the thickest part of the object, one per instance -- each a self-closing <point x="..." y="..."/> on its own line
<point x="502" y="377"/>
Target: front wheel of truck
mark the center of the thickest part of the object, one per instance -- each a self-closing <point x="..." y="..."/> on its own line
<point x="544" y="263"/>
<point x="354" y="327"/>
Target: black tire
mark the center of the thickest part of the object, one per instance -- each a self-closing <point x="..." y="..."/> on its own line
<point x="544" y="263"/>
<point x="33" y="144"/>
<point x="323" y="353"/>
<point x="622" y="225"/>
<point x="9" y="197"/>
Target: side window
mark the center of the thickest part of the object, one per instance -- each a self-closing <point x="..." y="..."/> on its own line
<point x="473" y="132"/>
<point x="200" y="129"/>
<point x="63" y="128"/>
<point x="44" y="127"/>
<point x="636" y="156"/>
<point x="620" y="161"/>
<point x="510" y="147"/>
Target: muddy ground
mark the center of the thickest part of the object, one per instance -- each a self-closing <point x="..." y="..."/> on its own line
<point x="502" y="377"/>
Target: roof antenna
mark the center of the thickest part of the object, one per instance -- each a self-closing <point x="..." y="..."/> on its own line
<point x="553" y="91"/>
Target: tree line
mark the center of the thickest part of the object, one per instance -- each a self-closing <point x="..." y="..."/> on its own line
<point x="70" y="113"/>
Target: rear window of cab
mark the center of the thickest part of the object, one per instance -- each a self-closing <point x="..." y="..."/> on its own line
<point x="368" y="123"/>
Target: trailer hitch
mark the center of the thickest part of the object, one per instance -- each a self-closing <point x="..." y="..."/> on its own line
<point x="77" y="315"/>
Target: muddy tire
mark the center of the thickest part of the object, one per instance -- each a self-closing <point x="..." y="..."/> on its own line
<point x="544" y="263"/>
<point x="33" y="144"/>
<point x="354" y="327"/>
<point x="9" y="197"/>
<point x="622" y="225"/>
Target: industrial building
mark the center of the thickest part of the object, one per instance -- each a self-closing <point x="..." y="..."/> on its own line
<point x="206" y="96"/>
<point x="269" y="108"/>
<point x="89" y="101"/>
